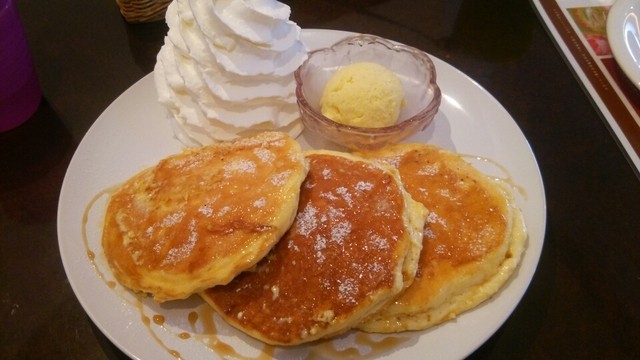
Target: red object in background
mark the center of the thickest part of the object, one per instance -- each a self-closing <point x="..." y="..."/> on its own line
<point x="599" y="44"/>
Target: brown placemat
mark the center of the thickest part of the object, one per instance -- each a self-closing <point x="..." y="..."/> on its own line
<point x="579" y="29"/>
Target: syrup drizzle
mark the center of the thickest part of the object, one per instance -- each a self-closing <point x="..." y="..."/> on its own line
<point x="507" y="177"/>
<point x="377" y="347"/>
<point x="204" y="318"/>
<point x="85" y="239"/>
<point x="157" y="319"/>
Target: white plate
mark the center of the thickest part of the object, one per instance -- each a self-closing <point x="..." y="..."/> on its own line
<point x="623" y="33"/>
<point x="132" y="134"/>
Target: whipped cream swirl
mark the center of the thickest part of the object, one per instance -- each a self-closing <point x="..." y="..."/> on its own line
<point x="226" y="69"/>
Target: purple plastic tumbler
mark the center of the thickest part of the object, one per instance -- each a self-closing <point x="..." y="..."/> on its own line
<point x="20" y="92"/>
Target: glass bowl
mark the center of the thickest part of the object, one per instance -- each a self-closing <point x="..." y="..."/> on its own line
<point x="413" y="67"/>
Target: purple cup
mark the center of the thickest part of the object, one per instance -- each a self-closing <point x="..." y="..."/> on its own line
<point x="20" y="92"/>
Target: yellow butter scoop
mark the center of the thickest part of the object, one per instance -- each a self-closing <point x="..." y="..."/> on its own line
<point x="363" y="94"/>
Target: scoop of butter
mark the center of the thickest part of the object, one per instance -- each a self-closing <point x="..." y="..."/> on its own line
<point x="363" y="94"/>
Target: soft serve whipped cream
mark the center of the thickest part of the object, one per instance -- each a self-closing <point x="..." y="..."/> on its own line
<point x="226" y="69"/>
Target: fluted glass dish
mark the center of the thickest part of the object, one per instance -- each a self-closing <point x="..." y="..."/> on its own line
<point x="413" y="67"/>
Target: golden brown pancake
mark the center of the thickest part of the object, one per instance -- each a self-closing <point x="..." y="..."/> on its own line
<point x="199" y="218"/>
<point x="353" y="245"/>
<point x="472" y="242"/>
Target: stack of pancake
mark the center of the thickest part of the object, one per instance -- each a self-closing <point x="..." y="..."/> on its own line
<point x="291" y="246"/>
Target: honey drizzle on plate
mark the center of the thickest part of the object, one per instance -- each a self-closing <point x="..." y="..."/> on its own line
<point x="507" y="178"/>
<point x="204" y="316"/>
<point x="157" y="319"/>
<point x="222" y="349"/>
<point x="327" y="349"/>
<point x="85" y="239"/>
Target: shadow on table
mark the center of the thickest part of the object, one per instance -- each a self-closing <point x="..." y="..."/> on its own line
<point x="34" y="158"/>
<point x="145" y="41"/>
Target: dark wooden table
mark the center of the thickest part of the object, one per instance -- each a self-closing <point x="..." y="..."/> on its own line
<point x="584" y="301"/>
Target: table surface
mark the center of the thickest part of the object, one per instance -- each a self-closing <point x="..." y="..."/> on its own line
<point x="584" y="301"/>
